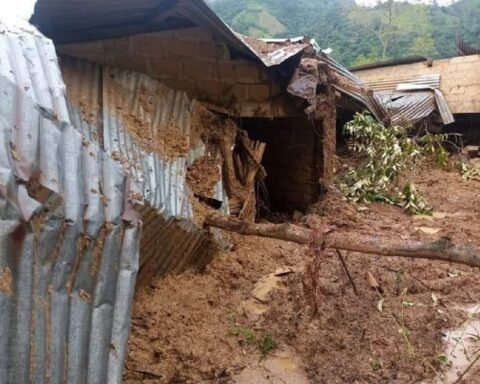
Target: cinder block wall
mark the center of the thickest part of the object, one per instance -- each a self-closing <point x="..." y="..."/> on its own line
<point x="189" y="60"/>
<point x="293" y="161"/>
<point x="459" y="79"/>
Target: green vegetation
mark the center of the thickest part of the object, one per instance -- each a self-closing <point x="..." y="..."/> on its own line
<point x="264" y="342"/>
<point x="384" y="153"/>
<point x="359" y="35"/>
<point x="257" y="21"/>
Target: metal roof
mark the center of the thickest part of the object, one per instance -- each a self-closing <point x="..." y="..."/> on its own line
<point x="425" y="81"/>
<point x="407" y="107"/>
<point x="69" y="236"/>
<point x="68" y="21"/>
<point x="410" y="99"/>
<point x="391" y="62"/>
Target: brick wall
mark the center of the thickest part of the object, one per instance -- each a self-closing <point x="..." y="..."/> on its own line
<point x="459" y="79"/>
<point x="293" y="161"/>
<point x="191" y="60"/>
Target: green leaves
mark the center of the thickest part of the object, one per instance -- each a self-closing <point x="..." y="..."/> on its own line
<point x="469" y="171"/>
<point x="414" y="202"/>
<point x="384" y="154"/>
<point x="264" y="342"/>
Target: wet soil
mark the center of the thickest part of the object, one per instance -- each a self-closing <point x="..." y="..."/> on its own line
<point x="185" y="328"/>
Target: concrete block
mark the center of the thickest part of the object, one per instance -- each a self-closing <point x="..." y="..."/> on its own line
<point x="258" y="92"/>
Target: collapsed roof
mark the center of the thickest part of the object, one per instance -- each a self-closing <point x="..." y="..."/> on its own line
<point x="68" y="22"/>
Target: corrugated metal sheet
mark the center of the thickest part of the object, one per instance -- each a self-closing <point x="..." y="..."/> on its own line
<point x="119" y="103"/>
<point x="407" y="107"/>
<point x="425" y="81"/>
<point x="389" y="63"/>
<point x="69" y="239"/>
<point x="274" y="52"/>
<point x="351" y="85"/>
<point x="413" y="98"/>
<point x="109" y="103"/>
<point x="411" y="105"/>
<point x="73" y="21"/>
<point x="440" y="102"/>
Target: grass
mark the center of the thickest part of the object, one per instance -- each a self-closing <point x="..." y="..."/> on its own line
<point x="264" y="342"/>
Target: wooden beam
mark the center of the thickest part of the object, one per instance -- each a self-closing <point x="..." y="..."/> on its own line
<point x="441" y="249"/>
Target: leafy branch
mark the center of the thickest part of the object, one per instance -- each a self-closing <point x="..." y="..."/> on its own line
<point x="384" y="154"/>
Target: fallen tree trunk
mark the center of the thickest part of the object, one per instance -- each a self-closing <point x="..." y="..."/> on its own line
<point x="442" y="249"/>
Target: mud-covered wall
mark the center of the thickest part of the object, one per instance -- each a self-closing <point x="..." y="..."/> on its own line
<point x="192" y="61"/>
<point x="293" y="161"/>
<point x="459" y="79"/>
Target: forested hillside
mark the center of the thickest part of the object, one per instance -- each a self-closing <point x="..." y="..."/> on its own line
<point x="357" y="34"/>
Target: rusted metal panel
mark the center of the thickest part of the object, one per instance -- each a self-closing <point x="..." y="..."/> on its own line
<point x="69" y="239"/>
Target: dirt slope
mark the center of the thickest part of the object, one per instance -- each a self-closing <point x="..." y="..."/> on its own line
<point x="185" y="328"/>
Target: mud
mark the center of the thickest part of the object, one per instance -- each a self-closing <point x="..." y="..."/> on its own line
<point x="6" y="281"/>
<point x="203" y="175"/>
<point x="182" y="325"/>
<point x="462" y="348"/>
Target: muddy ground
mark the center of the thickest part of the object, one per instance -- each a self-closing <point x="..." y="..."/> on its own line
<point x="212" y="327"/>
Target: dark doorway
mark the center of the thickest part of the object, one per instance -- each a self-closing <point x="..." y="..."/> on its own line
<point x="292" y="160"/>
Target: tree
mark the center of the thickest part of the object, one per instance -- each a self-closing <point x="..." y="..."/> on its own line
<point x="380" y="21"/>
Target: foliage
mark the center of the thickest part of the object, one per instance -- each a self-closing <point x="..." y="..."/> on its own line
<point x="258" y="21"/>
<point x="353" y="31"/>
<point x="264" y="342"/>
<point x="413" y="201"/>
<point x="468" y="171"/>
<point x="383" y="154"/>
<point x="248" y="335"/>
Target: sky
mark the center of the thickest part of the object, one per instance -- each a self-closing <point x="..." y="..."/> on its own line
<point x="22" y="8"/>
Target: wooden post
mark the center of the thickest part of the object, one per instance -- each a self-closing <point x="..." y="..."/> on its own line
<point x="327" y="113"/>
<point x="258" y="151"/>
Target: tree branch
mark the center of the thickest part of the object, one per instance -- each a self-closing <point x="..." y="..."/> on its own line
<point x="442" y="249"/>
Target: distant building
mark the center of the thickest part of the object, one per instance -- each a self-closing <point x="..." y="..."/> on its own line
<point x="457" y="78"/>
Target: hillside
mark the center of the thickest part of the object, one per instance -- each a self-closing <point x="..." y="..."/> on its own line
<point x="358" y="34"/>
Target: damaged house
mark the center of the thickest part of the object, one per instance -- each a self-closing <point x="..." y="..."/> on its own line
<point x="444" y="94"/>
<point x="157" y="115"/>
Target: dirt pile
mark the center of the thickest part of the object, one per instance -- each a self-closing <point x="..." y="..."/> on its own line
<point x="185" y="328"/>
<point x="203" y="175"/>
